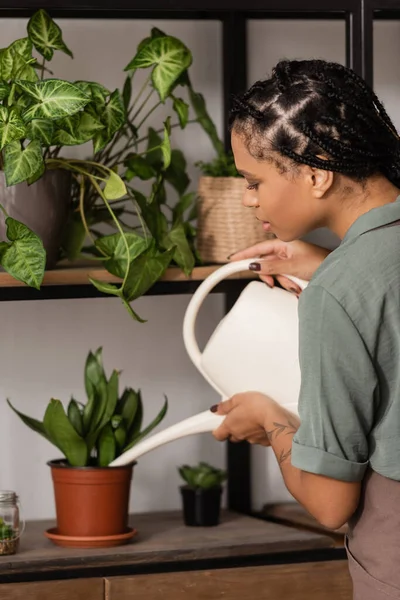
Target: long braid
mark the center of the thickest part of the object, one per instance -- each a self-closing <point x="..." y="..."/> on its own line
<point x="313" y="109"/>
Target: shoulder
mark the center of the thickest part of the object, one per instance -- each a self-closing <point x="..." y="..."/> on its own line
<point x="358" y="275"/>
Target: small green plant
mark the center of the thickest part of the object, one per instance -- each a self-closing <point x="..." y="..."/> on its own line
<point x="7" y="532"/>
<point x="95" y="433"/>
<point x="203" y="476"/>
<point x="222" y="166"/>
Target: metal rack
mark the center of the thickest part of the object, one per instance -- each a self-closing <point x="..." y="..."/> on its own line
<point x="358" y="16"/>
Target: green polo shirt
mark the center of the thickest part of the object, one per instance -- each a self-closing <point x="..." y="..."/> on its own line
<point x="349" y="350"/>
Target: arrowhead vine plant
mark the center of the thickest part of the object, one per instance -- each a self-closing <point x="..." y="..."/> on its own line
<point x="95" y="433"/>
<point x="40" y="115"/>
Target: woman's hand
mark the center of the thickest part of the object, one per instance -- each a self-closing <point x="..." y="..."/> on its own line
<point x="274" y="257"/>
<point x="246" y="417"/>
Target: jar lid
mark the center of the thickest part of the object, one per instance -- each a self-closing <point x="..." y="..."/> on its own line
<point x="7" y="496"/>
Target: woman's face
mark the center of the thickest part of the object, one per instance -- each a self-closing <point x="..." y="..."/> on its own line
<point x="283" y="202"/>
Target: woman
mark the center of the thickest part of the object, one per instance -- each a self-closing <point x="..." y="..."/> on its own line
<point x="318" y="150"/>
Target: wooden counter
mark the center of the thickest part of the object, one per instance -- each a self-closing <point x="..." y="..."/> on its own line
<point x="228" y="561"/>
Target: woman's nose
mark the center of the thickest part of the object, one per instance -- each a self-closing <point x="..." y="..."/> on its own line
<point x="250" y="199"/>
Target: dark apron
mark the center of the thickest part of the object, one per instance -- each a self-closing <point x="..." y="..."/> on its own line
<point x="373" y="542"/>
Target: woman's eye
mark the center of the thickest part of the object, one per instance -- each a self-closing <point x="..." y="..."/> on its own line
<point x="252" y="186"/>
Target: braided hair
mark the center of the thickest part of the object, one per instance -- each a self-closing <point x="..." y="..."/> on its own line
<point x="313" y="108"/>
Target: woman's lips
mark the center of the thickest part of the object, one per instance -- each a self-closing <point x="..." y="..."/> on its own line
<point x="266" y="226"/>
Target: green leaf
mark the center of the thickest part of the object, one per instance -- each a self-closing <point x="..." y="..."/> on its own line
<point x="39" y="173"/>
<point x="115" y="187"/>
<point x="23" y="256"/>
<point x="127" y="91"/>
<point x="76" y="129"/>
<point x="75" y="417"/>
<point x="176" y="173"/>
<point x="136" y="425"/>
<point x="185" y="202"/>
<point x="23" y="47"/>
<point x="155" y="220"/>
<point x="11" y="126"/>
<point x="107" y="447"/>
<point x="182" y="110"/>
<point x="95" y="90"/>
<point x="128" y="406"/>
<point x="155" y="32"/>
<point x="59" y="429"/>
<point x="46" y="35"/>
<point x="89" y="124"/>
<point x="52" y="99"/>
<point x="94" y="373"/>
<point x="106" y="402"/>
<point x="105" y="288"/>
<point x="5" y="90"/>
<point x="145" y="271"/>
<point x="169" y="58"/>
<point x="41" y="130"/>
<point x="114" y="246"/>
<point x="33" y="424"/>
<point x="183" y="255"/>
<point x="20" y="164"/>
<point x="139" y="166"/>
<point x="204" y="119"/>
<point x="120" y="436"/>
<point x="154" y="157"/>
<point x="113" y="116"/>
<point x="17" y="62"/>
<point x="150" y="427"/>
<point x="166" y="144"/>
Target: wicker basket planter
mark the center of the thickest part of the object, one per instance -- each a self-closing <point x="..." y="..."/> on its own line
<point x="224" y="224"/>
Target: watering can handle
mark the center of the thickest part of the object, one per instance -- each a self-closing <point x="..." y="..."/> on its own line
<point x="197" y="300"/>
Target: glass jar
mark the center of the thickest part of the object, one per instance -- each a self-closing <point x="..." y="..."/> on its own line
<point x="11" y="525"/>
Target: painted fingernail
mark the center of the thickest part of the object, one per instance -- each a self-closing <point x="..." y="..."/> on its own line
<point x="255" y="266"/>
<point x="214" y="408"/>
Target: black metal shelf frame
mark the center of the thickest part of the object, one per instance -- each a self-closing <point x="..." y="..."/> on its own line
<point x="358" y="16"/>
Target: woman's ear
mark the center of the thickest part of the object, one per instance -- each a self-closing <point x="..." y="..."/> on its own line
<point x="320" y="181"/>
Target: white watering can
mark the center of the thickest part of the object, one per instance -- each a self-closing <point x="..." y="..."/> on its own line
<point x="254" y="348"/>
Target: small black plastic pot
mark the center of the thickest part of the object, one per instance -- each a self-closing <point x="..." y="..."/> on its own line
<point x="201" y="508"/>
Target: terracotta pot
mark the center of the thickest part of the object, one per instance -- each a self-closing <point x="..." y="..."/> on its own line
<point x="43" y="206"/>
<point x="91" y="501"/>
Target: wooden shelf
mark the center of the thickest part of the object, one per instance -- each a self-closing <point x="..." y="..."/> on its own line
<point x="164" y="540"/>
<point x="73" y="282"/>
<point x="79" y="275"/>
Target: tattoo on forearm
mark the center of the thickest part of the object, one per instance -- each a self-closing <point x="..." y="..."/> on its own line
<point x="279" y="428"/>
<point x="288" y="428"/>
<point x="284" y="456"/>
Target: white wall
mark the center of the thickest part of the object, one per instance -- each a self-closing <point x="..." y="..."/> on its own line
<point x="44" y="344"/>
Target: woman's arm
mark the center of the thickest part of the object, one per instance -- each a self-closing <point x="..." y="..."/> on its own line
<point x="330" y="501"/>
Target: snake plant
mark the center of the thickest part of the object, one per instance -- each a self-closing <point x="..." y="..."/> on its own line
<point x="97" y="432"/>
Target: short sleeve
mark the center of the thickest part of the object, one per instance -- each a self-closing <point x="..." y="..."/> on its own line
<point x="338" y="386"/>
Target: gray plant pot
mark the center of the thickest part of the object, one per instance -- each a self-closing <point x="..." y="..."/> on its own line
<point x="43" y="207"/>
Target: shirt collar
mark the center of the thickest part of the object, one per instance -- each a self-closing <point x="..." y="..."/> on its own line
<point x="376" y="217"/>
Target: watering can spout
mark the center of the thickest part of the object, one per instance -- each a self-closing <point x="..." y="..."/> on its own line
<point x="253" y="348"/>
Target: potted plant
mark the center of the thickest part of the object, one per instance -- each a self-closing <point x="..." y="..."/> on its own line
<point x="201" y="496"/>
<point x="224" y="224"/>
<point x="38" y="117"/>
<point x="151" y="232"/>
<point x="92" y="498"/>
<point x="9" y="538"/>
